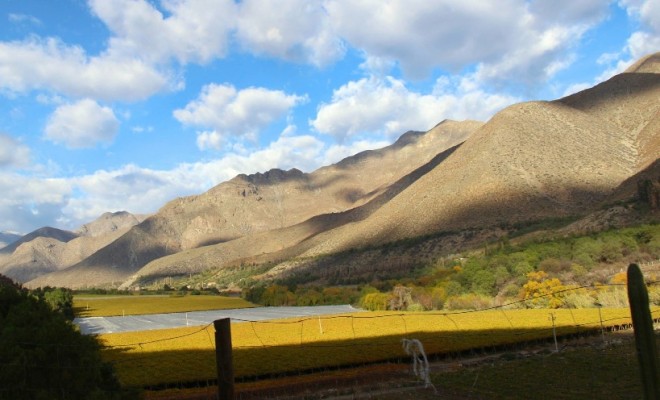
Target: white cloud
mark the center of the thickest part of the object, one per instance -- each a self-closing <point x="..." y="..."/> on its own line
<point x="235" y="113"/>
<point x="647" y="39"/>
<point x="288" y="29"/>
<point x="50" y="64"/>
<point x="574" y="88"/>
<point x="386" y="106"/>
<point x="23" y="18"/>
<point x="210" y="140"/>
<point x="77" y="200"/>
<point x="512" y="40"/>
<point x="639" y="44"/>
<point x="30" y="202"/>
<point x="338" y="152"/>
<point x="193" y="30"/>
<point x="12" y="152"/>
<point x="82" y="124"/>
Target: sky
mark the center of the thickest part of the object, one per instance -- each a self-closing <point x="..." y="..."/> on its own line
<point x="110" y="105"/>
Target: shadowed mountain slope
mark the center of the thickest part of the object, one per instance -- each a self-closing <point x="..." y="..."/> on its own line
<point x="250" y="205"/>
<point x="531" y="161"/>
<point x="45" y="232"/>
<point x="42" y="254"/>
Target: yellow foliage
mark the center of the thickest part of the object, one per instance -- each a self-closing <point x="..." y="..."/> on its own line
<point x="620" y="278"/>
<point x="105" y="306"/>
<point x="542" y="291"/>
<point x="187" y="354"/>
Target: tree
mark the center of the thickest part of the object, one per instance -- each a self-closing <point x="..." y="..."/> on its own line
<point x="541" y="291"/>
<point x="375" y="301"/>
<point x="43" y="356"/>
<point x="60" y="300"/>
<point x="401" y="298"/>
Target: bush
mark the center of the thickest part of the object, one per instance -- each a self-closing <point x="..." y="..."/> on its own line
<point x="51" y="359"/>
<point x="375" y="301"/>
<point x="469" y="301"/>
<point x="416" y="307"/>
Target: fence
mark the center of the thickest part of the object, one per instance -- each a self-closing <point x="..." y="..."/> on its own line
<point x="298" y="347"/>
<point x="459" y="345"/>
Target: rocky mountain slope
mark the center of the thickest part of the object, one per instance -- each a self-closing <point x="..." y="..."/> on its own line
<point x="250" y="205"/>
<point x="45" y="232"/>
<point x="47" y="249"/>
<point x="531" y="161"/>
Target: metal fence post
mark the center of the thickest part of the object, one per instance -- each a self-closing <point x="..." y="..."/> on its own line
<point x="223" y="359"/>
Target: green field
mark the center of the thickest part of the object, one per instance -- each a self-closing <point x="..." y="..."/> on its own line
<point x="106" y="306"/>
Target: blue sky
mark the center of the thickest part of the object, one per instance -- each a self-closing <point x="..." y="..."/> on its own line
<point x="110" y="105"/>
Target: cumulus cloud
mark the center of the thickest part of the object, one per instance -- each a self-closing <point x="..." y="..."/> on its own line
<point x="12" y="152"/>
<point x="234" y="113"/>
<point x="386" y="106"/>
<point x="640" y="43"/>
<point x="30" y="202"/>
<point x="82" y="124"/>
<point x="207" y="140"/>
<point x="52" y="65"/>
<point x="510" y="39"/>
<point x="288" y="29"/>
<point x="338" y="152"/>
<point x="192" y="31"/>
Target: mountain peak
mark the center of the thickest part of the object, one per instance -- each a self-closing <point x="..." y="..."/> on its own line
<point x="649" y="64"/>
<point x="274" y="175"/>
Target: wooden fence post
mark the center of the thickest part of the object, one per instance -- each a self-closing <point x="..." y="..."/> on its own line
<point x="223" y="359"/>
<point x="647" y="351"/>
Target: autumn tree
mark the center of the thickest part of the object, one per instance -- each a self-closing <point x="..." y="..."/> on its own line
<point x="541" y="290"/>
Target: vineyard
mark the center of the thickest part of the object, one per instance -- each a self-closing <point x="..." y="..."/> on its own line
<point x="104" y="306"/>
<point x="177" y="356"/>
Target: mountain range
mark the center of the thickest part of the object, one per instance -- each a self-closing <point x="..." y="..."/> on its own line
<point x="458" y="183"/>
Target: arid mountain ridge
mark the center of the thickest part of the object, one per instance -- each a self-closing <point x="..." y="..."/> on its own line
<point x="49" y="249"/>
<point x="531" y="161"/>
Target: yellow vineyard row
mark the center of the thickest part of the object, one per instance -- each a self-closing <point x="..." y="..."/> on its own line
<point x="104" y="306"/>
<point x="187" y="354"/>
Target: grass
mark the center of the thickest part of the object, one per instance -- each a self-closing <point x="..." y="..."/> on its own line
<point x="105" y="306"/>
<point x="587" y="372"/>
<point x="274" y="347"/>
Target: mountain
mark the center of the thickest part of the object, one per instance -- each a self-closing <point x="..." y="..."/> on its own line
<point x="7" y="238"/>
<point x="459" y="182"/>
<point x="531" y="161"/>
<point x="251" y="205"/>
<point x="47" y="249"/>
<point x="45" y="232"/>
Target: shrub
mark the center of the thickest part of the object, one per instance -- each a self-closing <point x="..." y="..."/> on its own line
<point x="416" y="307"/>
<point x="56" y="361"/>
<point x="469" y="301"/>
<point x="375" y="301"/>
